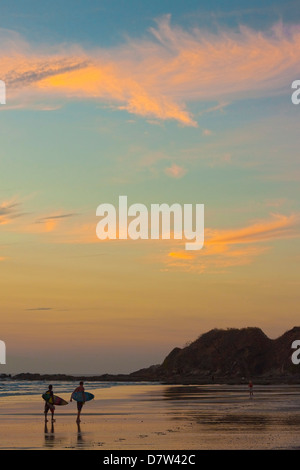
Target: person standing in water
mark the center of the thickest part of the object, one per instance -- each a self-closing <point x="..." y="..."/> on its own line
<point x="79" y="403"/>
<point x="250" y="385"/>
<point x="49" y="405"/>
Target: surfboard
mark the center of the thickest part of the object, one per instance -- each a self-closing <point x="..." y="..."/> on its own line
<point x="57" y="400"/>
<point x="78" y="396"/>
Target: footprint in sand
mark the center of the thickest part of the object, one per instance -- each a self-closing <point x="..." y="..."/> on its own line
<point x="159" y="433"/>
<point x="143" y="435"/>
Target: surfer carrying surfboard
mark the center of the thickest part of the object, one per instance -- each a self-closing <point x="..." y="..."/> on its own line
<point x="79" y="403"/>
<point x="49" y="405"/>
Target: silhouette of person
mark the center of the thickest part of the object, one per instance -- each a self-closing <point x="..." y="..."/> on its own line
<point x="49" y="405"/>
<point x="79" y="403"/>
<point x="250" y="385"/>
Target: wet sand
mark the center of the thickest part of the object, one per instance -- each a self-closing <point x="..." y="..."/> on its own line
<point x="156" y="417"/>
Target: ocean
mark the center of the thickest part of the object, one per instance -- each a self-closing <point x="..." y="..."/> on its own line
<point x="23" y="387"/>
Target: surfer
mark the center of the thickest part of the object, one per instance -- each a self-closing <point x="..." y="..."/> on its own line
<point x="49" y="405"/>
<point x="79" y="403"/>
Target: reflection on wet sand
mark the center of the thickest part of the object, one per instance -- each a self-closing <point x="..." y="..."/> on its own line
<point x="80" y="440"/>
<point x="201" y="392"/>
<point x="76" y="440"/>
<point x="231" y="422"/>
<point x="231" y="410"/>
<point x="247" y="422"/>
<point x="49" y="437"/>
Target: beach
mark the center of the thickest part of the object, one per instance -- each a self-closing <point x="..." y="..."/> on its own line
<point x="155" y="416"/>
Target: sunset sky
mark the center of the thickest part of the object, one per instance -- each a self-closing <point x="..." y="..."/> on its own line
<point x="162" y="101"/>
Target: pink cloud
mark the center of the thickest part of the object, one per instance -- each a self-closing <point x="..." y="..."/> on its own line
<point x="175" y="171"/>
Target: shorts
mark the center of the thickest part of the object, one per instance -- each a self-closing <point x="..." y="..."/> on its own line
<point x="79" y="405"/>
<point x="49" y="406"/>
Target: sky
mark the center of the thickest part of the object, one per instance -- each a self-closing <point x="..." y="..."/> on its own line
<point x="165" y="102"/>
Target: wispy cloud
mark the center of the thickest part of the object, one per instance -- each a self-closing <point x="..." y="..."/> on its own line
<point x="235" y="247"/>
<point x="16" y="79"/>
<point x="38" y="309"/>
<point x="51" y="222"/>
<point x="279" y="226"/>
<point x="30" y="222"/>
<point x="56" y="228"/>
<point x="9" y="210"/>
<point x="59" y="216"/>
<point x="157" y="76"/>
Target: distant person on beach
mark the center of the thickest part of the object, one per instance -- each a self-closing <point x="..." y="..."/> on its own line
<point x="49" y="405"/>
<point x="79" y="403"/>
<point x="250" y="385"/>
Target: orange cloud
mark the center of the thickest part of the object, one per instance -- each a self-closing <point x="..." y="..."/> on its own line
<point x="157" y="77"/>
<point x="234" y="247"/>
<point x="280" y="226"/>
<point x="50" y="223"/>
<point x="181" y="255"/>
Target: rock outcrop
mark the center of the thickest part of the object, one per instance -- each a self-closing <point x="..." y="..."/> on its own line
<point x="228" y="354"/>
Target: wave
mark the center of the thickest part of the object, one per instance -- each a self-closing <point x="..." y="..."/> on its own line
<point x="14" y="388"/>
